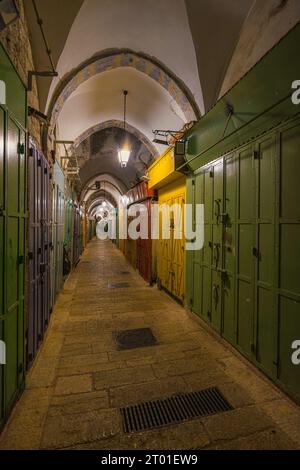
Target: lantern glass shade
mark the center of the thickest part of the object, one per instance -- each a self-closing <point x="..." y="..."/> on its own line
<point x="124" y="155"/>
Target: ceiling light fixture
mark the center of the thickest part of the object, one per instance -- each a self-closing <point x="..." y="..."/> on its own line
<point x="124" y="152"/>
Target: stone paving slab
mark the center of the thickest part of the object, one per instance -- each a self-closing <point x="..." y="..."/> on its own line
<point x="80" y="380"/>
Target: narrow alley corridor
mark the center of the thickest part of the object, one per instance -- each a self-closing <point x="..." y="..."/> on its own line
<point x="81" y="378"/>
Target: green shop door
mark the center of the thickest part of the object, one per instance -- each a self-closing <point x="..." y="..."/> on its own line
<point x="229" y="330"/>
<point x="12" y="244"/>
<point x="288" y="239"/>
<point x="204" y="282"/>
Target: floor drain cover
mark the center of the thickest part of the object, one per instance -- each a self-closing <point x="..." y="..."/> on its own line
<point x="137" y="338"/>
<point x="118" y="285"/>
<point x="173" y="410"/>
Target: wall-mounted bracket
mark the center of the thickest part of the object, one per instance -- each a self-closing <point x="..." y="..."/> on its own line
<point x="33" y="73"/>
<point x="37" y="114"/>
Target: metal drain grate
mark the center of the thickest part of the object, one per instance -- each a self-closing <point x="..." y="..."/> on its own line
<point x="137" y="338"/>
<point x="173" y="410"/>
<point x="118" y="285"/>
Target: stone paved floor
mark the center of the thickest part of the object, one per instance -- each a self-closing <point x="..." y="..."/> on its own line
<point x="80" y="379"/>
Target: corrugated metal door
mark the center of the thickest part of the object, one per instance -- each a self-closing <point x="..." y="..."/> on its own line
<point x="33" y="271"/>
<point x="45" y="229"/>
<point x="76" y="236"/>
<point x="38" y="250"/>
<point x="60" y="216"/>
<point x="68" y="228"/>
<point x="53" y="246"/>
<point x="57" y="233"/>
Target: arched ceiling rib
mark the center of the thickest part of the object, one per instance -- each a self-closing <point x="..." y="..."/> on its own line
<point x="109" y="186"/>
<point x="98" y="198"/>
<point x="100" y="99"/>
<point x="117" y="124"/>
<point x="193" y="38"/>
<point x="157" y="28"/>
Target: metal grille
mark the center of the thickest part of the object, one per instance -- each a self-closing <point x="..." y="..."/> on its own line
<point x="173" y="410"/>
<point x="118" y="285"/>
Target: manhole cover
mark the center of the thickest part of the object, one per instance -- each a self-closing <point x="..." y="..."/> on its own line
<point x="173" y="410"/>
<point x="137" y="338"/>
<point x="118" y="285"/>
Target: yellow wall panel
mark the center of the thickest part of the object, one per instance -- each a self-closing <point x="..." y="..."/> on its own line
<point x="162" y="171"/>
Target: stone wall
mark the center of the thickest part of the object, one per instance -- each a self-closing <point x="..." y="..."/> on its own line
<point x="15" y="39"/>
<point x="267" y="22"/>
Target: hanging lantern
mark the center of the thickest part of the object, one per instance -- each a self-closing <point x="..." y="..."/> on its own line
<point x="124" y="152"/>
<point x="124" y="155"/>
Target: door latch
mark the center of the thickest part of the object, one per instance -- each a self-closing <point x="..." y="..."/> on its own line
<point x="21" y="149"/>
<point x="42" y="268"/>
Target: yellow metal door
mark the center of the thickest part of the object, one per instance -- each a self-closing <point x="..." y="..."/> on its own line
<point x="170" y="262"/>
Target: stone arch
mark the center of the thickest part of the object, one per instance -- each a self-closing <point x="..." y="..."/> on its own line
<point x="113" y="187"/>
<point x="116" y="123"/>
<point x="112" y="59"/>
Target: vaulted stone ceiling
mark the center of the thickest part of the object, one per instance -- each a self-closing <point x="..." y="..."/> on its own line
<point x="170" y="55"/>
<point x="100" y="158"/>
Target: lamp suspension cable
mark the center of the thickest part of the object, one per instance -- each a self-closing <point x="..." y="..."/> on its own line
<point x="125" y="92"/>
